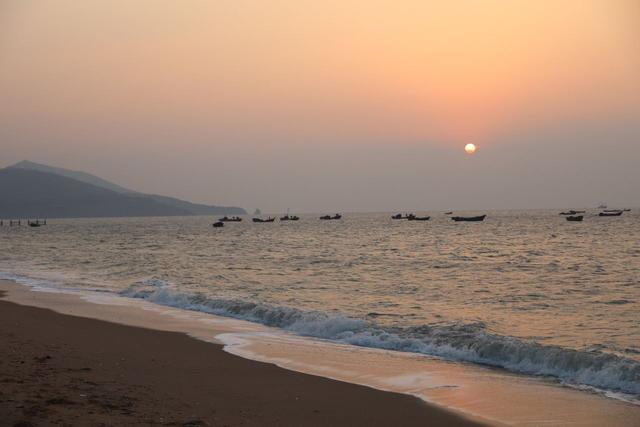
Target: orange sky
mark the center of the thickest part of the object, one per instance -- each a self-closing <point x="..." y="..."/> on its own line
<point x="201" y="74"/>
<point x="410" y="70"/>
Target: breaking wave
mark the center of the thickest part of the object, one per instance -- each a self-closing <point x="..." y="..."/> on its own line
<point x="460" y="342"/>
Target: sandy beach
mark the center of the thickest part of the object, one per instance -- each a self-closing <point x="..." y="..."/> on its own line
<point x="64" y="370"/>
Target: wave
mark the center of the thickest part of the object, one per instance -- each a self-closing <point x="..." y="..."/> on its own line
<point x="460" y="342"/>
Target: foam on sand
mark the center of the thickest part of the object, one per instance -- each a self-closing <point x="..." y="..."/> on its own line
<point x="481" y="392"/>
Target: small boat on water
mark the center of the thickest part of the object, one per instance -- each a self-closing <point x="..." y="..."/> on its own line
<point x="576" y="218"/>
<point x="329" y="217"/>
<point x="217" y="224"/>
<point x="400" y="216"/>
<point x="230" y="219"/>
<point x="448" y="213"/>
<point x="469" y="218"/>
<point x="288" y="217"/>
<point x="571" y="212"/>
<point x="419" y="218"/>
<point x="264" y="220"/>
<point x="610" y="213"/>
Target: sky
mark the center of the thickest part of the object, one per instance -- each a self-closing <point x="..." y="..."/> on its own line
<point x="329" y="106"/>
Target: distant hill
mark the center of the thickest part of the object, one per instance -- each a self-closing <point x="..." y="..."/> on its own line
<point x="31" y="190"/>
<point x="191" y="208"/>
<point x="77" y="175"/>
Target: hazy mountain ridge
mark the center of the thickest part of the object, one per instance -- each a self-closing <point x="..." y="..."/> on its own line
<point x="32" y="190"/>
<point x="77" y="175"/>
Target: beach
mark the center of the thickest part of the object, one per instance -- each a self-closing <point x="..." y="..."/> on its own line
<point x="64" y="370"/>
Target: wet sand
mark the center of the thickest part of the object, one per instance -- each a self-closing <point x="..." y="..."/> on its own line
<point x="64" y="370"/>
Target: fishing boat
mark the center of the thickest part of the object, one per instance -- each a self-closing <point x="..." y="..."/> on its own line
<point x="217" y="224"/>
<point x="406" y="216"/>
<point x="419" y="218"/>
<point x="288" y="217"/>
<point x="264" y="220"/>
<point x="576" y="218"/>
<point x="469" y="218"/>
<point x="571" y="212"/>
<point x="609" y="213"/>
<point x="230" y="219"/>
<point x="329" y="217"/>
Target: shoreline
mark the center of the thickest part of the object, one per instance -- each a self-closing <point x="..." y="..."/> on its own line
<point x="59" y="368"/>
<point x="470" y="392"/>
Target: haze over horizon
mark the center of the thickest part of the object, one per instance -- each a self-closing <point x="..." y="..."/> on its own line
<point x="339" y="106"/>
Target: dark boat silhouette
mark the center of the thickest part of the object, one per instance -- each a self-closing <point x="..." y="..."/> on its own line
<point x="448" y="213"/>
<point x="34" y="224"/>
<point x="576" y="218"/>
<point x="469" y="218"/>
<point x="400" y="216"/>
<point x="264" y="220"/>
<point x="610" y="213"/>
<point x="571" y="212"/>
<point x="288" y="217"/>
<point x="218" y="224"/>
<point x="418" y="218"/>
<point x="230" y="219"/>
<point x="328" y="217"/>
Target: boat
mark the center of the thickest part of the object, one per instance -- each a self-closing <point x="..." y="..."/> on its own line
<point x="469" y="218"/>
<point x="264" y="220"/>
<point x="613" y="210"/>
<point x="577" y="218"/>
<point x="217" y="224"/>
<point x="419" y="218"/>
<point x="34" y="224"/>
<point x="616" y="213"/>
<point x="448" y="213"/>
<point x="571" y="212"/>
<point x="400" y="216"/>
<point x="328" y="217"/>
<point x="230" y="219"/>
<point x="626" y="210"/>
<point x="288" y="217"/>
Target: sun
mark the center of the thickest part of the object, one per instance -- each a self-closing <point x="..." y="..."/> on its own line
<point x="470" y="148"/>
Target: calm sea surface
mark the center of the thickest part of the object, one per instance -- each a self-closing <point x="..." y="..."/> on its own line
<point x="524" y="290"/>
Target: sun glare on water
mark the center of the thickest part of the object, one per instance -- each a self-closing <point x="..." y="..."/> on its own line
<point x="470" y="148"/>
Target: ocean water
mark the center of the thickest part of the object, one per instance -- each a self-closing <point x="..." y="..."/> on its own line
<point x="525" y="291"/>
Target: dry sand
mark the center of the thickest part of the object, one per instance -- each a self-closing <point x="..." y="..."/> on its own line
<point x="63" y="370"/>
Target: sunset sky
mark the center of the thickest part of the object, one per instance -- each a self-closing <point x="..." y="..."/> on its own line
<point x="335" y="105"/>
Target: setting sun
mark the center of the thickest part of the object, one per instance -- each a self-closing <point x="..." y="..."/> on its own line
<point x="470" y="148"/>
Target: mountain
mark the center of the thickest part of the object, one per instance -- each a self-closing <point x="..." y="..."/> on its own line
<point x="26" y="192"/>
<point x="191" y="208"/>
<point x="77" y="175"/>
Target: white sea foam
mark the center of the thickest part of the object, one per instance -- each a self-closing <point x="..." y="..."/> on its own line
<point x="460" y="342"/>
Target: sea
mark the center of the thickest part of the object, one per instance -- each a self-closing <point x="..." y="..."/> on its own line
<point x="526" y="292"/>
